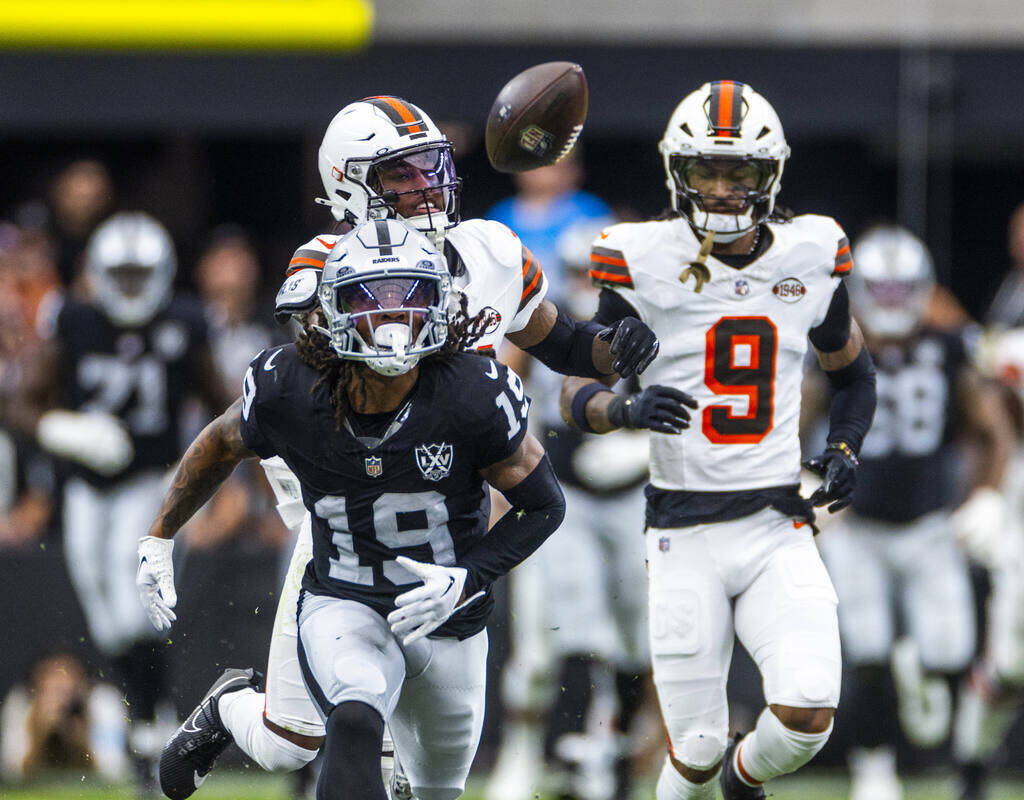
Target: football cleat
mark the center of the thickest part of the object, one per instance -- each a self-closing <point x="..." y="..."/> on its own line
<point x="732" y="787"/>
<point x="191" y="753"/>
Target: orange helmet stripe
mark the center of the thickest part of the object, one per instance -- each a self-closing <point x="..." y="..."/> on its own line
<point x="406" y="119"/>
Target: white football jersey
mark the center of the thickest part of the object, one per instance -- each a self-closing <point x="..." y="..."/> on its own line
<point x="500" y="275"/>
<point x="737" y="346"/>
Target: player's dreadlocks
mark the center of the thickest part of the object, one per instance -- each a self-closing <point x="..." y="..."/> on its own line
<point x="315" y="351"/>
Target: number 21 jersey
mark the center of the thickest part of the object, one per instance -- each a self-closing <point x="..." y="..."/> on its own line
<point x="737" y="345"/>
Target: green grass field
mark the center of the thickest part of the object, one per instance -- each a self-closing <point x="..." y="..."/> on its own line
<point x="239" y="785"/>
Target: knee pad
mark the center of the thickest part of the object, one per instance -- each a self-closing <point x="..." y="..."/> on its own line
<point x="699" y="751"/>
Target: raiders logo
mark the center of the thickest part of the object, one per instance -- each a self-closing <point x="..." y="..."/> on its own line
<point x="434" y="460"/>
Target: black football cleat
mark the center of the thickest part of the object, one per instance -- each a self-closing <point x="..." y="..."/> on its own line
<point x="973" y="782"/>
<point x="732" y="787"/>
<point x="191" y="753"/>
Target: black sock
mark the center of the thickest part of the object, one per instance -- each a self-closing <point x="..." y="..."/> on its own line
<point x="142" y="673"/>
<point x="869" y="709"/>
<point x="351" y="754"/>
<point x="631" y="688"/>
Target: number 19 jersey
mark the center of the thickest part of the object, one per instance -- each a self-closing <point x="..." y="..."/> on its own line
<point x="737" y="345"/>
<point x="413" y="488"/>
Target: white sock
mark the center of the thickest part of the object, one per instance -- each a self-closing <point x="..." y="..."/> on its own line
<point x="673" y="786"/>
<point x="242" y="714"/>
<point x="772" y="749"/>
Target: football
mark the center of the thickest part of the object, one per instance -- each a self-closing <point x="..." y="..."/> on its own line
<point x="537" y="117"/>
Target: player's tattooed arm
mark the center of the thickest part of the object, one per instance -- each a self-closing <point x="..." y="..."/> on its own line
<point x="207" y="463"/>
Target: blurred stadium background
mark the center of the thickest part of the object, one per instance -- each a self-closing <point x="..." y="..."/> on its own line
<point x="912" y="110"/>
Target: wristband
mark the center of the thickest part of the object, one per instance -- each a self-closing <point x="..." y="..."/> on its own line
<point x="845" y="449"/>
<point x="579" y="405"/>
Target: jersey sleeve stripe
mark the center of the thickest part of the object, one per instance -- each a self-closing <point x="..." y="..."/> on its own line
<point x="299" y="262"/>
<point x="531" y="278"/>
<point x="844" y="259"/>
<point x="601" y="277"/>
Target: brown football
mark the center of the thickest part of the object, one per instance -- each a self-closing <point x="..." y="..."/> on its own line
<point x="537" y="117"/>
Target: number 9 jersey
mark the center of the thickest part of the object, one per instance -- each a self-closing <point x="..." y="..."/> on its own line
<point x="383" y="485"/>
<point x="735" y="342"/>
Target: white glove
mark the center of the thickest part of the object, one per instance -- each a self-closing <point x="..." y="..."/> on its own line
<point x="155" y="581"/>
<point x="94" y="439"/>
<point x="979" y="526"/>
<point x="423" y="610"/>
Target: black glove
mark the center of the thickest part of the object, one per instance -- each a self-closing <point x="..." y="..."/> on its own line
<point x="633" y="342"/>
<point x="837" y="467"/>
<point x="658" y="408"/>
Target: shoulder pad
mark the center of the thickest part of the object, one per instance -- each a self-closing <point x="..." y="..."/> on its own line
<point x="297" y="294"/>
<point x="500" y="242"/>
<point x="608" y="265"/>
<point x="313" y="253"/>
<point x="831" y="237"/>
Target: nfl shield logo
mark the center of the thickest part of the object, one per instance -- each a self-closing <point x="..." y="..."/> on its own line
<point x="434" y="460"/>
<point x="742" y="288"/>
<point x="374" y="466"/>
<point x="664" y="543"/>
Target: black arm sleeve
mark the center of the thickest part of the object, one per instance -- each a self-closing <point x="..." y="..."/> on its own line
<point x="611" y="307"/>
<point x="853" y="401"/>
<point x="538" y="507"/>
<point x="834" y="330"/>
<point x="568" y="347"/>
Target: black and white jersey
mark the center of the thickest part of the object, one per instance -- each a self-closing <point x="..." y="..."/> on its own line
<point x="908" y="461"/>
<point x="141" y="375"/>
<point x="405" y="483"/>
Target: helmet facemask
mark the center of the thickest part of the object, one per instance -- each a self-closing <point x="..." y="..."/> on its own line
<point x="386" y="316"/>
<point x="727" y="195"/>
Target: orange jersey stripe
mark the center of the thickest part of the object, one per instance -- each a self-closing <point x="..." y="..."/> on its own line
<point x="611" y="277"/>
<point x="615" y="262"/>
<point x="530" y="264"/>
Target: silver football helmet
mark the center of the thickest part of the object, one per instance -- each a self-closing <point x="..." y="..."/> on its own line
<point x="891" y="281"/>
<point x="130" y="264"/>
<point x="724" y="141"/>
<point x="385" y="296"/>
<point x="385" y="135"/>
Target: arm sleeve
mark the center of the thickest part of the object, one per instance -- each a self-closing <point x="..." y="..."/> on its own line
<point x="538" y="508"/>
<point x="834" y="331"/>
<point x="568" y="349"/>
<point x="612" y="306"/>
<point x="853" y="401"/>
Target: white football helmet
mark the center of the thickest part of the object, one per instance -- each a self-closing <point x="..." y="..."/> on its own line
<point x="724" y="125"/>
<point x="891" y="282"/>
<point x="130" y="264"/>
<point x="385" y="132"/>
<point x="385" y="296"/>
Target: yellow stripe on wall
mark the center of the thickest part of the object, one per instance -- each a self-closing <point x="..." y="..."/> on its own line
<point x="208" y="24"/>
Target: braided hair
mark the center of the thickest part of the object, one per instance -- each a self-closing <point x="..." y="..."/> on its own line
<point x="337" y="374"/>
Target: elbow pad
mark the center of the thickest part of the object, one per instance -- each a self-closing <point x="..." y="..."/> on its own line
<point x="853" y="401"/>
<point x="568" y="349"/>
